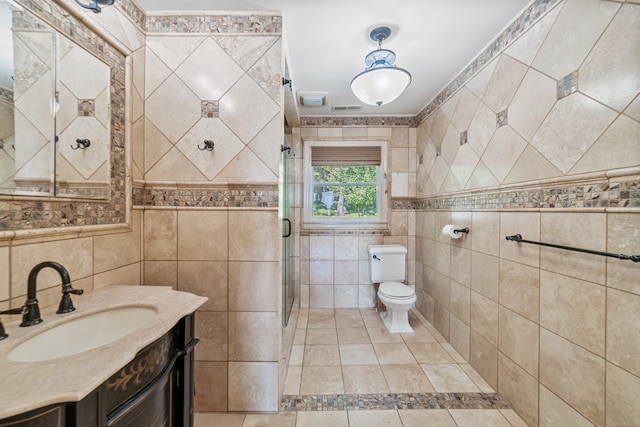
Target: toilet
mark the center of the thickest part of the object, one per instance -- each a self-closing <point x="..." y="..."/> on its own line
<point x="387" y="266"/>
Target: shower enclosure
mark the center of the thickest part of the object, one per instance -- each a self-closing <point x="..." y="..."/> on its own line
<point x="286" y="214"/>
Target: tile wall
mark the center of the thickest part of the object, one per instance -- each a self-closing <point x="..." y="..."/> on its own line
<point x="210" y="217"/>
<point x="552" y="151"/>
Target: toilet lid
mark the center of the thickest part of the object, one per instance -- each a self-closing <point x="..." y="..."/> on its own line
<point x="396" y="290"/>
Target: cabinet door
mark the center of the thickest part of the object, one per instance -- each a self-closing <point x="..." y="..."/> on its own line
<point x="51" y="417"/>
<point x="152" y="407"/>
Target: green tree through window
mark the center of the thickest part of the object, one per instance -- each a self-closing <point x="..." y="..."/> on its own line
<point x="345" y="191"/>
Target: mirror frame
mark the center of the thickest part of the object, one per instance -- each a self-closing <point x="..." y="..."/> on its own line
<point x="25" y="216"/>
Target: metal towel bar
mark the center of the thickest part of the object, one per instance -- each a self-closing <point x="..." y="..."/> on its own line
<point x="518" y="238"/>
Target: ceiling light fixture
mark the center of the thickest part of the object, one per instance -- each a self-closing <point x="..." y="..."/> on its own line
<point x="381" y="82"/>
<point x="95" y="4"/>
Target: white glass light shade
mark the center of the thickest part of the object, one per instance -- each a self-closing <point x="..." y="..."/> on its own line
<point x="380" y="85"/>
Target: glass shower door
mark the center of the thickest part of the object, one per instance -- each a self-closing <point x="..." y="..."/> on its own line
<point x="286" y="212"/>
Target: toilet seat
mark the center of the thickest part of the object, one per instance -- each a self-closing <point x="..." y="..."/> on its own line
<point x="396" y="291"/>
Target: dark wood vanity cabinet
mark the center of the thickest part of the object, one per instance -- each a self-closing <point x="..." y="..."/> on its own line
<point x="155" y="389"/>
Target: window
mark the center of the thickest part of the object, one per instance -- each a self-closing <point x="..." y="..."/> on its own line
<point x="345" y="182"/>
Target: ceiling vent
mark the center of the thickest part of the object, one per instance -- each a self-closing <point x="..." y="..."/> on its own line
<point x="347" y="108"/>
<point x="313" y="99"/>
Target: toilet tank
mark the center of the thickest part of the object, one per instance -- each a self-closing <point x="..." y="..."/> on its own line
<point x="387" y="263"/>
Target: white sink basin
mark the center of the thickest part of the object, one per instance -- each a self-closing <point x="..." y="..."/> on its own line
<point x="82" y="334"/>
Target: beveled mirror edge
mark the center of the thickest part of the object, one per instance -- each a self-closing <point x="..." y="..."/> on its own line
<point x="28" y="217"/>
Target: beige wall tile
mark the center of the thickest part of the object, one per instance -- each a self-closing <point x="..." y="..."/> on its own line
<point x="74" y="254"/>
<point x="254" y="236"/>
<point x="321" y="273"/>
<point x="441" y="319"/>
<point x="520" y="289"/>
<point x="573" y="309"/>
<point x="213" y="330"/>
<point x="588" y="231"/>
<point x="503" y="83"/>
<point x="202" y="236"/>
<point x="346" y="272"/>
<point x="160" y="235"/>
<point x="346" y="247"/>
<point x="461" y="265"/>
<point x="253" y="386"/>
<point x="206" y="278"/>
<point x="554" y="412"/>
<point x="346" y="296"/>
<point x="568" y="44"/>
<point x="321" y="296"/>
<point x="623" y="395"/>
<point x="127" y="275"/>
<point x="161" y="273"/>
<point x="254" y="286"/>
<point x="115" y="250"/>
<point x="460" y="301"/>
<point x="442" y="290"/>
<point x="519" y="388"/>
<point x="623" y="334"/>
<point x="623" y="234"/>
<point x="443" y="258"/>
<point x="321" y="248"/>
<point x="253" y="336"/>
<point x="485" y="275"/>
<point x="211" y="383"/>
<point x="483" y="356"/>
<point x="484" y="317"/>
<point x="518" y="340"/>
<point x="573" y="374"/>
<point x="459" y="333"/>
<point x="532" y="102"/>
<point x="528" y="225"/>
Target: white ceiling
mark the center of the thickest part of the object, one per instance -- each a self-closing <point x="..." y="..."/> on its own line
<point x="326" y="42"/>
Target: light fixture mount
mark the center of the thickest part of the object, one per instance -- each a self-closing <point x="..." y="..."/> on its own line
<point x="94" y="5"/>
<point x="381" y="82"/>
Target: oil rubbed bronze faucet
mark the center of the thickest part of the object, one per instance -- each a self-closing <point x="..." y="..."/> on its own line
<point x="31" y="311"/>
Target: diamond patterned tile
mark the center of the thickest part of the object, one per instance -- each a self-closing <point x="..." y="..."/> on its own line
<point x="573" y="124"/>
<point x="209" y="71"/>
<point x="503" y="84"/>
<point x="210" y="163"/>
<point x="85" y="161"/>
<point x="156" y="72"/>
<point x="267" y="72"/>
<point x="247" y="50"/>
<point x="464" y="164"/>
<point x="29" y="66"/>
<point x="525" y="48"/>
<point x="86" y="81"/>
<point x="173" y="108"/>
<point x="172" y="51"/>
<point x="503" y="152"/>
<point x="246" y="108"/>
<point x="246" y="166"/>
<point x="531" y="104"/>
<point x="607" y="74"/>
<point x="265" y="144"/>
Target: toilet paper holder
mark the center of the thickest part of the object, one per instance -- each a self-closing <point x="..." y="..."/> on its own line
<point x="462" y="230"/>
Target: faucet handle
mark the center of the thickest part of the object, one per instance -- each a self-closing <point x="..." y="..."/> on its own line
<point x="3" y="334"/>
<point x="66" y="305"/>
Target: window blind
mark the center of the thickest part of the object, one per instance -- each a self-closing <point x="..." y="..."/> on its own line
<point x="345" y="156"/>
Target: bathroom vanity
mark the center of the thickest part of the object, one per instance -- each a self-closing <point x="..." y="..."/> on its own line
<point x="144" y="378"/>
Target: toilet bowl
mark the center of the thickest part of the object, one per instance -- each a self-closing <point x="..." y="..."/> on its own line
<point x="399" y="299"/>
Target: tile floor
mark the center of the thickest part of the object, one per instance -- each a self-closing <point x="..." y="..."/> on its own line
<point x="347" y="370"/>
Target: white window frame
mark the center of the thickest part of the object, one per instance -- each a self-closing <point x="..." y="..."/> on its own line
<point x="383" y="196"/>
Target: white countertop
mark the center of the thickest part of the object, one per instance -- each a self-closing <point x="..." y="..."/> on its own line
<point x="30" y="385"/>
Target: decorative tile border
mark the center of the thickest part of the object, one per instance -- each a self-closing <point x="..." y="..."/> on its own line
<point x="517" y="27"/>
<point x="393" y="401"/>
<point x="357" y="121"/>
<point x="211" y="196"/>
<point x="216" y="24"/>
<point x="345" y="232"/>
<point x="625" y="194"/>
<point x="28" y="214"/>
<point x="131" y="9"/>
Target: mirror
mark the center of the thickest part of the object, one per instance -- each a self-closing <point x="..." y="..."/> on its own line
<point x="54" y="112"/>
